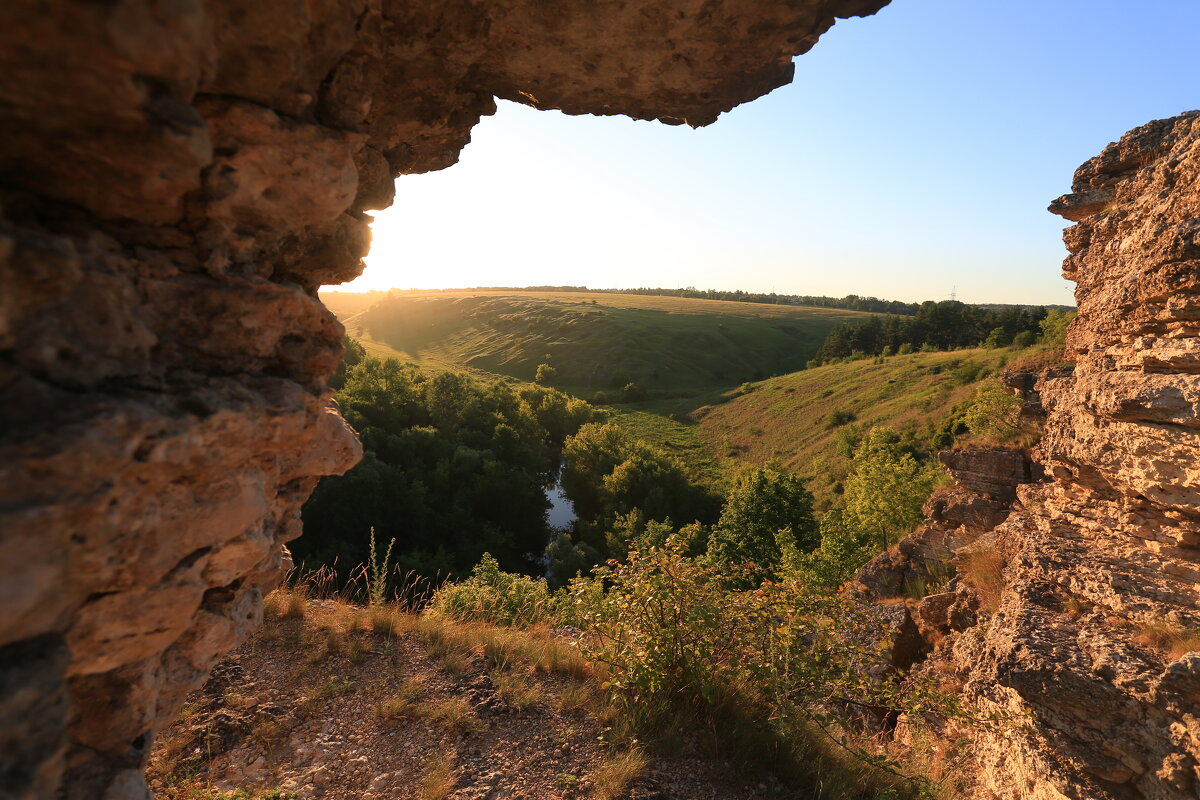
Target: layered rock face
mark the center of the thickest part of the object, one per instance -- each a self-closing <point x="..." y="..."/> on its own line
<point x="176" y="179"/>
<point x="1076" y="614"/>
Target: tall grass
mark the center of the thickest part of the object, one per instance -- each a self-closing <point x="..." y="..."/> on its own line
<point x="378" y="572"/>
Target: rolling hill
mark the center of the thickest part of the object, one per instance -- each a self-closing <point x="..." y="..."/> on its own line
<point x="799" y="419"/>
<point x="704" y="362"/>
<point x="666" y="345"/>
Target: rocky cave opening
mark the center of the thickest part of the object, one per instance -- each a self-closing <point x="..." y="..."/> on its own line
<point x="177" y="179"/>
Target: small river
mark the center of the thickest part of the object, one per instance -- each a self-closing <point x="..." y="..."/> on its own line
<point x="561" y="514"/>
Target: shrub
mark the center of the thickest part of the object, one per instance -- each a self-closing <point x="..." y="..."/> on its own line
<point x="677" y="645"/>
<point x="545" y="374"/>
<point x="490" y="595"/>
<point x="966" y="373"/>
<point x="1024" y="339"/>
<point x="633" y="393"/>
<point x="841" y="417"/>
<point x="995" y="412"/>
<point x="847" y="439"/>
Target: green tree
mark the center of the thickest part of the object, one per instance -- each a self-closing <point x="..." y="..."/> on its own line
<point x="568" y="558"/>
<point x="1054" y="327"/>
<point x="768" y="513"/>
<point x="995" y="412"/>
<point x="1024" y="339"/>
<point x="545" y="374"/>
<point x="605" y="475"/>
<point x="886" y="490"/>
<point x="453" y="466"/>
<point x="997" y="338"/>
<point x="588" y="456"/>
<point x="843" y="550"/>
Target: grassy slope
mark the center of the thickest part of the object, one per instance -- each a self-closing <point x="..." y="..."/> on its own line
<point x="713" y="428"/>
<point x="788" y="418"/>
<point x="666" y="344"/>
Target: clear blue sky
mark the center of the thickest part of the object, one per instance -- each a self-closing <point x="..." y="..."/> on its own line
<point x="915" y="152"/>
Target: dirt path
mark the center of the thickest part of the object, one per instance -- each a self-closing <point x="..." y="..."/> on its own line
<point x="343" y="702"/>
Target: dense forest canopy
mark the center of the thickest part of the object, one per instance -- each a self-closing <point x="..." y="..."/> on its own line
<point x="456" y="466"/>
<point x="453" y="467"/>
<point x="945" y="325"/>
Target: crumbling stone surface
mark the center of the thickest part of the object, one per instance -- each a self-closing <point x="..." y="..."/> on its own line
<point x="176" y="179"/>
<point x="985" y="482"/>
<point x="1082" y="638"/>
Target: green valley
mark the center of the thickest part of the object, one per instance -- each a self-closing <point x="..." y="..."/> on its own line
<point x="593" y="342"/>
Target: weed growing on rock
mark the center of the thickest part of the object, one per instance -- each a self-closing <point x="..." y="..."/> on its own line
<point x="1170" y="637"/>
<point x="983" y="568"/>
<point x="378" y="571"/>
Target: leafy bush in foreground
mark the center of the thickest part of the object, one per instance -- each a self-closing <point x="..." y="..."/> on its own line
<point x="500" y="598"/>
<point x="777" y="664"/>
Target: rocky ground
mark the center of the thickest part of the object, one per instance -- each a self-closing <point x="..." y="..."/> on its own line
<point x="330" y="700"/>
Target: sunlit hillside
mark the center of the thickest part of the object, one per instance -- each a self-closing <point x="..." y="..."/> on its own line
<point x="594" y="342"/>
<point x="800" y="418"/>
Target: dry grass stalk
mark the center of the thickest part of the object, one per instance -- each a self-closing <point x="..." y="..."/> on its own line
<point x="517" y="691"/>
<point x="439" y="779"/>
<point x="983" y="569"/>
<point x="404" y="702"/>
<point x="295" y="603"/>
<point x="1170" y="637"/>
<point x="575" y="696"/>
<point x="386" y="620"/>
<point x="357" y="650"/>
<point x="614" y="776"/>
<point x="454" y="712"/>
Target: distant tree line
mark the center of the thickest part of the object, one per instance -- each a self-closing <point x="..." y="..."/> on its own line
<point x="945" y="325"/>
<point x="851" y="302"/>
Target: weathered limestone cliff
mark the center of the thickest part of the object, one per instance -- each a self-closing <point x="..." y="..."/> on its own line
<point x="1078" y="615"/>
<point x="176" y="179"/>
<point x="1114" y="537"/>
